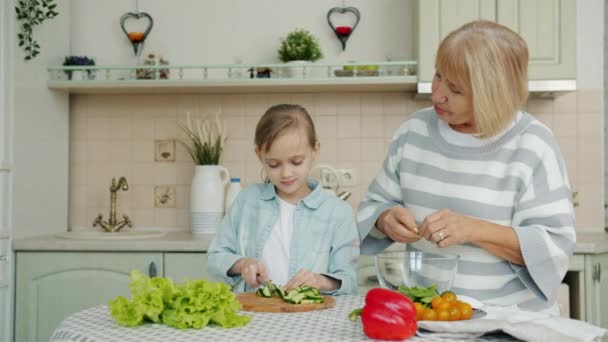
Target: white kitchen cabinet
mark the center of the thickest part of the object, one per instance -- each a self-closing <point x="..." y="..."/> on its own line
<point x="181" y="265"/>
<point x="4" y="200"/>
<point x="548" y="26"/>
<point x="4" y="314"/>
<point x="52" y="285"/>
<point x="596" y="289"/>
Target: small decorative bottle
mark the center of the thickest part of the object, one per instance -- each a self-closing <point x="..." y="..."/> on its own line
<point x="233" y="190"/>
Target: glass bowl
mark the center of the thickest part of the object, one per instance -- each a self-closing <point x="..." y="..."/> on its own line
<point x="416" y="269"/>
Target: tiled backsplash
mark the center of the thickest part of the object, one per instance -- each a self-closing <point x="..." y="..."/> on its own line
<point x="114" y="135"/>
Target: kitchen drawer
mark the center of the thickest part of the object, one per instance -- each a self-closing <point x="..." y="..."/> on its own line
<point x="185" y="265"/>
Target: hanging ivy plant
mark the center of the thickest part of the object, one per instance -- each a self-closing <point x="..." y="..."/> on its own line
<point x="31" y="13"/>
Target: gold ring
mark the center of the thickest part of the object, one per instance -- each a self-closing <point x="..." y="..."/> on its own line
<point x="441" y="237"/>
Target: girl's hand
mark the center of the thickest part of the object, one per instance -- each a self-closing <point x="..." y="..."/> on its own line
<point x="399" y="224"/>
<point x="305" y="277"/>
<point x="447" y="228"/>
<point x="252" y="271"/>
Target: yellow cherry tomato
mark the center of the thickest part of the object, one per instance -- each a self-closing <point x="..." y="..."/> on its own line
<point x="445" y="305"/>
<point x="443" y="315"/>
<point x="429" y="315"/>
<point x="419" y="310"/>
<point x="466" y="311"/>
<point x="449" y="296"/>
<point x="454" y="314"/>
<point x="436" y="301"/>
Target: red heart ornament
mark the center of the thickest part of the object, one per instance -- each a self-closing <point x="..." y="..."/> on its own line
<point x="343" y="32"/>
<point x="136" y="38"/>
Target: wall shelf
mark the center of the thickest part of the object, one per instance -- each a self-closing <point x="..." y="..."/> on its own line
<point x="234" y="78"/>
<point x="359" y="84"/>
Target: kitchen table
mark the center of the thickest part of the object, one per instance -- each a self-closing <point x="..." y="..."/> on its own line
<point x="96" y="325"/>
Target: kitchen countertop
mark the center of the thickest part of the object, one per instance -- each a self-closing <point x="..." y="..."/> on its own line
<point x="170" y="242"/>
<point x="593" y="243"/>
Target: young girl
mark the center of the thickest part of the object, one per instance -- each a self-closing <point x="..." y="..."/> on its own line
<point x="287" y="230"/>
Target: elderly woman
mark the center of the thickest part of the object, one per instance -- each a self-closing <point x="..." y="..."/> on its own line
<point x="478" y="177"/>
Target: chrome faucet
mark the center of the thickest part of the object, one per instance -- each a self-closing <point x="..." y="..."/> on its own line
<point x="344" y="195"/>
<point x="113" y="225"/>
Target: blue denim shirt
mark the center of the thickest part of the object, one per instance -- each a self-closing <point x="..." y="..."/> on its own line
<point x="325" y="239"/>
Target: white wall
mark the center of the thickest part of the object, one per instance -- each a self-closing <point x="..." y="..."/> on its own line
<point x="214" y="32"/>
<point x="6" y="256"/>
<point x="41" y="129"/>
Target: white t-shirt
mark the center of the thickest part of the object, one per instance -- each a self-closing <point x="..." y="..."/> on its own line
<point x="275" y="255"/>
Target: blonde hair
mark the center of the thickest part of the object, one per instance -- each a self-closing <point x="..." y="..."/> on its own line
<point x="490" y="61"/>
<point x="279" y="118"/>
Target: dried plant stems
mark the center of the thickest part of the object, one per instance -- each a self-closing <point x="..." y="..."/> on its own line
<point x="207" y="140"/>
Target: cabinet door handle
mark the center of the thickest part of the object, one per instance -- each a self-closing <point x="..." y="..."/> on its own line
<point x="597" y="272"/>
<point x="152" y="269"/>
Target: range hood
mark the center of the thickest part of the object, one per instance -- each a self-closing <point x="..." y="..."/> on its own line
<point x="540" y="88"/>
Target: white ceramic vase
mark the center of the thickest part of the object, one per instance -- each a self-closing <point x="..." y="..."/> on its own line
<point x="207" y="198"/>
<point x="78" y="75"/>
<point x="298" y="69"/>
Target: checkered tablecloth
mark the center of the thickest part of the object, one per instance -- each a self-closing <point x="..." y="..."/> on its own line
<point x="96" y="325"/>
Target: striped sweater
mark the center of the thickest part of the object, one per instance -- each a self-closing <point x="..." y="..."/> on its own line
<point x="518" y="179"/>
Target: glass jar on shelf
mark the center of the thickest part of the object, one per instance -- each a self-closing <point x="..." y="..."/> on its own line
<point x="146" y="73"/>
<point x="163" y="74"/>
<point x="237" y="71"/>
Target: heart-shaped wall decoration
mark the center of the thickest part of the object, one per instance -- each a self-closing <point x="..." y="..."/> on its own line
<point x="136" y="38"/>
<point x="343" y="32"/>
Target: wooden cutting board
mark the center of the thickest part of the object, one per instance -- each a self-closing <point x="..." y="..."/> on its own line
<point x="255" y="303"/>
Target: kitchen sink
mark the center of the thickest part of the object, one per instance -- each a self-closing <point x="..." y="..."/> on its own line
<point x="101" y="235"/>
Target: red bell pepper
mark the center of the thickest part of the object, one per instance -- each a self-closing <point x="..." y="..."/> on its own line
<point x="387" y="315"/>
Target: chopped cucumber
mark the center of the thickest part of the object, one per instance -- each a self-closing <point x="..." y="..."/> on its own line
<point x="299" y="295"/>
<point x="297" y="298"/>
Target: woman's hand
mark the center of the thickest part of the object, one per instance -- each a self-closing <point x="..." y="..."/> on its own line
<point x="399" y="224"/>
<point x="251" y="270"/>
<point x="319" y="281"/>
<point x="447" y="228"/>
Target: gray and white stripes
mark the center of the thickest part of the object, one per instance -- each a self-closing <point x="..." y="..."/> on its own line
<point x="518" y="180"/>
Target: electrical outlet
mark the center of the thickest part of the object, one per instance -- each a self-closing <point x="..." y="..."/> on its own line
<point x="328" y="179"/>
<point x="347" y="177"/>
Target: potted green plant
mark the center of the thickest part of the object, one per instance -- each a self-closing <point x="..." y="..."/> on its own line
<point x="79" y="61"/>
<point x="299" y="47"/>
